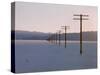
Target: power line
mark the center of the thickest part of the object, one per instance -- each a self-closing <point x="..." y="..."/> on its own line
<point x="81" y="17"/>
<point x="65" y="29"/>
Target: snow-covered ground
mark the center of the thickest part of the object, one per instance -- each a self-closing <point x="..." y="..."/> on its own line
<point x="36" y="55"/>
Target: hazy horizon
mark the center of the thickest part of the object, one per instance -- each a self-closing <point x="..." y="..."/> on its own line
<point x="49" y="18"/>
<point x="52" y="32"/>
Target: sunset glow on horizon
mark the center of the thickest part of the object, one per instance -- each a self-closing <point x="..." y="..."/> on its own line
<point x="46" y="18"/>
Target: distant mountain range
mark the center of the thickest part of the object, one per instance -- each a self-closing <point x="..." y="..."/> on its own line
<point x="26" y="35"/>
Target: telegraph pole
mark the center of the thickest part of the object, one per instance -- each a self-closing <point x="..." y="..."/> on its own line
<point x="59" y="33"/>
<point x="55" y="38"/>
<point x="81" y="17"/>
<point x="56" y="35"/>
<point x="65" y="29"/>
<point x="51" y="38"/>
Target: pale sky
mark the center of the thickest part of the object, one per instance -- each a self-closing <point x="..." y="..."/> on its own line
<point x="50" y="17"/>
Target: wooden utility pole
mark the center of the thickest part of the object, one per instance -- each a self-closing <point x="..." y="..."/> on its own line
<point x="81" y="18"/>
<point x="56" y="35"/>
<point x="65" y="28"/>
<point x="59" y="33"/>
<point x="49" y="37"/>
<point x="53" y="37"/>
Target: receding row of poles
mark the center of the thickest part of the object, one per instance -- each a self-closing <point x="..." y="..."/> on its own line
<point x="56" y="37"/>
